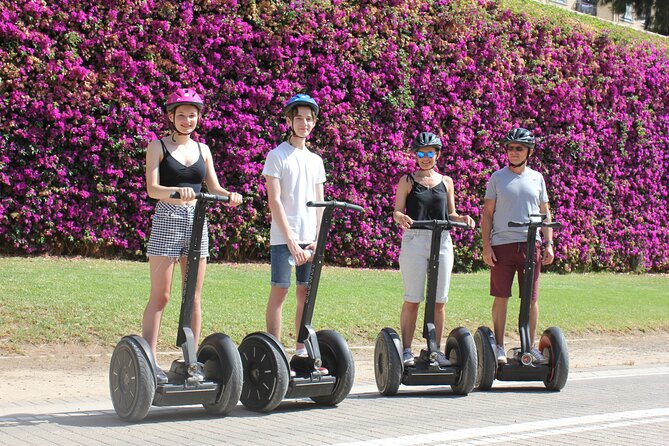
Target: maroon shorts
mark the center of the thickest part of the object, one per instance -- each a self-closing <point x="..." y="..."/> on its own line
<point x="511" y="259"/>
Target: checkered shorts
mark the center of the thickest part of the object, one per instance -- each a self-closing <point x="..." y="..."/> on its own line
<point x="171" y="229"/>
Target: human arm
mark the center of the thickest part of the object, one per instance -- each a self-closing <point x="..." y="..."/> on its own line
<point x="486" y="231"/>
<point x="319" y="195"/>
<point x="549" y="254"/>
<point x="452" y="213"/>
<point x="281" y="220"/>
<point x="211" y="179"/>
<point x="153" y="187"/>
<point x="403" y="189"/>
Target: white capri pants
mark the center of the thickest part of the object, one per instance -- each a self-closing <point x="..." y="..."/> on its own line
<point x="414" y="255"/>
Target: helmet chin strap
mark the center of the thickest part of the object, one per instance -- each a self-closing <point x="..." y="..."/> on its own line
<point x="521" y="163"/>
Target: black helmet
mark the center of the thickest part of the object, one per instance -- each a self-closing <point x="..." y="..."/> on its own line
<point x="521" y="136"/>
<point x="301" y="99"/>
<point x="425" y="139"/>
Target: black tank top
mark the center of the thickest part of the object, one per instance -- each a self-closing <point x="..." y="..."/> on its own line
<point x="427" y="203"/>
<point x="174" y="174"/>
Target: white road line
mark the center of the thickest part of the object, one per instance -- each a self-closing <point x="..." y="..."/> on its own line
<point x="520" y="431"/>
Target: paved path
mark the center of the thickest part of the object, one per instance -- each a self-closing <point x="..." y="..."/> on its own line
<point x="598" y="406"/>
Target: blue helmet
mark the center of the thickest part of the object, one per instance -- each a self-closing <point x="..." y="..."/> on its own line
<point x="301" y="99"/>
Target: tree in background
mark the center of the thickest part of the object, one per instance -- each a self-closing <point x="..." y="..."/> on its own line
<point x="655" y="11"/>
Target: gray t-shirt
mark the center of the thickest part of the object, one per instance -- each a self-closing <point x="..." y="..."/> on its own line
<point x="517" y="196"/>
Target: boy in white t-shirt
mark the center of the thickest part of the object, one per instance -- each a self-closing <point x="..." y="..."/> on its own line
<point x="294" y="175"/>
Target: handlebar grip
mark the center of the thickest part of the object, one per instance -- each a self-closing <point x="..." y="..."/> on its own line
<point x="518" y="224"/>
<point x="434" y="223"/>
<point x="335" y="204"/>
<point x="203" y="196"/>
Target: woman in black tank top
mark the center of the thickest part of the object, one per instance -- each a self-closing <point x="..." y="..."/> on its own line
<point x="176" y="163"/>
<point x="424" y="195"/>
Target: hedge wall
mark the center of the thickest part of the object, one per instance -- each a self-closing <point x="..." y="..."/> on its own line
<point x="82" y="85"/>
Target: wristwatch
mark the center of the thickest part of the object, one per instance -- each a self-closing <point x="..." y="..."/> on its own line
<point x="547" y="243"/>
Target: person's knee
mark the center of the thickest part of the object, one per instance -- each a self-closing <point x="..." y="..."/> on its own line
<point x="278" y="295"/>
<point x="410" y="307"/>
<point x="160" y="299"/>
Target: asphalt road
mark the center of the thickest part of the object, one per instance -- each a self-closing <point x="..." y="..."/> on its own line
<point x="621" y="405"/>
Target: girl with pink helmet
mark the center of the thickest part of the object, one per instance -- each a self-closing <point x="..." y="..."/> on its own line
<point x="177" y="163"/>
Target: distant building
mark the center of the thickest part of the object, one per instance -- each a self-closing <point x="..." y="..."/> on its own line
<point x="604" y="12"/>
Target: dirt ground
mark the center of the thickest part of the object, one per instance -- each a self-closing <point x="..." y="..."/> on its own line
<point x="72" y="372"/>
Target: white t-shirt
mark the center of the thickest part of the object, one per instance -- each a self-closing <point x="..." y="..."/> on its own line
<point x="517" y="196"/>
<point x="298" y="171"/>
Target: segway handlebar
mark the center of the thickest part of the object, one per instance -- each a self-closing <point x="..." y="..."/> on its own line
<point x="335" y="204"/>
<point x="518" y="224"/>
<point x="429" y="224"/>
<point x="205" y="197"/>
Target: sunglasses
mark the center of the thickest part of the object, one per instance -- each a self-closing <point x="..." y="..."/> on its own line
<point x="424" y="154"/>
<point x="515" y="148"/>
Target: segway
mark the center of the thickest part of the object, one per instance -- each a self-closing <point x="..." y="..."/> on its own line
<point x="325" y="375"/>
<point x="521" y="365"/>
<point x="389" y="368"/>
<point x="212" y="378"/>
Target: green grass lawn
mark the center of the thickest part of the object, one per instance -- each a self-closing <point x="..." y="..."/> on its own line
<point x="57" y="300"/>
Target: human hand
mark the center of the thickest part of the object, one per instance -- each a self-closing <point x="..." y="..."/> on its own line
<point x="185" y="193"/>
<point x="548" y="255"/>
<point x="489" y="256"/>
<point x="234" y="199"/>
<point x="404" y="221"/>
<point x="467" y="219"/>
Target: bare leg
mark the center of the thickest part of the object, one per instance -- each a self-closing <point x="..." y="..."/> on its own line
<point x="408" y="322"/>
<point x="499" y="307"/>
<point x="277" y="296"/>
<point x="301" y="295"/>
<point x="439" y="318"/>
<point x="161" y="270"/>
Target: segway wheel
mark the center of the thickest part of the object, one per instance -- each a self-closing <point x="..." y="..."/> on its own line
<point x="487" y="359"/>
<point x="132" y="383"/>
<point x="222" y="365"/>
<point x="460" y="350"/>
<point x="554" y="347"/>
<point x="266" y="374"/>
<point x="387" y="362"/>
<point x="337" y="358"/>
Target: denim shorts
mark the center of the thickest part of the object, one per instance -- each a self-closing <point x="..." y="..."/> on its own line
<point x="281" y="269"/>
<point x="414" y="255"/>
<point x="171" y="229"/>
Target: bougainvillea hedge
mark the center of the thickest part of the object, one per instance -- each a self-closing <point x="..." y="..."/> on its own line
<point x="82" y="84"/>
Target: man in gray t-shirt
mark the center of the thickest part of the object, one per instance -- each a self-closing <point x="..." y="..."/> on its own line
<point x="513" y="194"/>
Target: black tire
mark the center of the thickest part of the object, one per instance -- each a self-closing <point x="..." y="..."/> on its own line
<point x="387" y="362"/>
<point x="266" y="374"/>
<point x="132" y="383"/>
<point x="460" y="350"/>
<point x="337" y="358"/>
<point x="487" y="359"/>
<point x="222" y="365"/>
<point x="554" y="347"/>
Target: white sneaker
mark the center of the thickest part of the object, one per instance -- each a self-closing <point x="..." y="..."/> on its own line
<point x="501" y="355"/>
<point x="408" y="359"/>
<point x="442" y="360"/>
<point x="538" y="356"/>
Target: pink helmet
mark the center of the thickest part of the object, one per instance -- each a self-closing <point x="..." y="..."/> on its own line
<point x="183" y="96"/>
